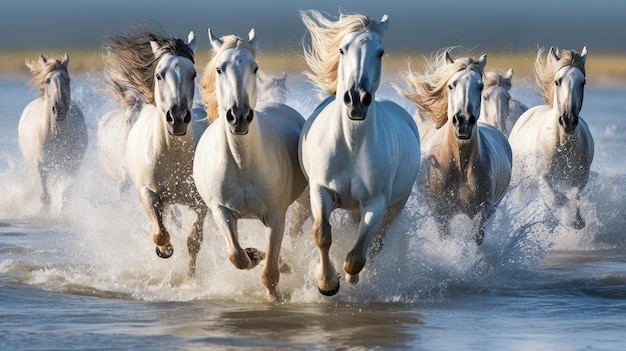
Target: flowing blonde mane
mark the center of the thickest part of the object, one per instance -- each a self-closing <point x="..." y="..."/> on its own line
<point x="130" y="63"/>
<point x="429" y="90"/>
<point x="496" y="78"/>
<point x="40" y="70"/>
<point x="207" y="83"/>
<point x="322" y="56"/>
<point x="546" y="70"/>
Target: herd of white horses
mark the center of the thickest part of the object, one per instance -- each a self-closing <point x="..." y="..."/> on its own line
<point x="240" y="157"/>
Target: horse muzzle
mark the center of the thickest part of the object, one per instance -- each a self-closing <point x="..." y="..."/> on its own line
<point x="239" y="119"/>
<point x="177" y="121"/>
<point x="463" y="127"/>
<point x="357" y="101"/>
<point x="569" y="123"/>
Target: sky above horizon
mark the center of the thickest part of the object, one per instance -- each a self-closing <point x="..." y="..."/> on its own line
<point x="414" y="25"/>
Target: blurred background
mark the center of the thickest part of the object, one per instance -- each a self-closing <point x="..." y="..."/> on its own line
<point x="503" y="29"/>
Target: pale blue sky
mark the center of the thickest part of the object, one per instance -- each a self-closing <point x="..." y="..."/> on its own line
<point x="415" y="25"/>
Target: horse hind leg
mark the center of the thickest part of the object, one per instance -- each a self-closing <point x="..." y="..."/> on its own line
<point x="195" y="238"/>
<point x="390" y="214"/>
<point x="301" y="211"/>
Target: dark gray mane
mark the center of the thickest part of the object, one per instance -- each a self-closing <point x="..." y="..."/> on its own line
<point x="130" y="63"/>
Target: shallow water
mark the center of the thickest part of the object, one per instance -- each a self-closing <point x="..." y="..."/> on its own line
<point x="84" y="275"/>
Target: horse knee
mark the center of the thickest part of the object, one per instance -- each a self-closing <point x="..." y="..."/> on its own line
<point x="321" y="234"/>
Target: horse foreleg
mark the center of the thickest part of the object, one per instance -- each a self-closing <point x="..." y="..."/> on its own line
<point x="153" y="205"/>
<point x="274" y="237"/>
<point x="322" y="204"/>
<point x="372" y="214"/>
<point x="576" y="221"/>
<point x="194" y="240"/>
<point x="553" y="196"/>
<point x="226" y="221"/>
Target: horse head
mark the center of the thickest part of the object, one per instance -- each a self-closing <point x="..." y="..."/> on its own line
<point x="464" y="96"/>
<point x="569" y="85"/>
<point x="174" y="87"/>
<point x="235" y="80"/>
<point x="359" y="68"/>
<point x="496" y="97"/>
<point x="54" y="81"/>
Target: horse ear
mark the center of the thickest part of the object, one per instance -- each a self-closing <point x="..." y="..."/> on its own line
<point x="66" y="60"/>
<point x="155" y="47"/>
<point x="553" y="54"/>
<point x="42" y="59"/>
<point x="449" y="59"/>
<point x="252" y="38"/>
<point x="383" y="24"/>
<point x="583" y="55"/>
<point x="216" y="43"/>
<point x="482" y="61"/>
<point x="191" y="41"/>
<point x="509" y="74"/>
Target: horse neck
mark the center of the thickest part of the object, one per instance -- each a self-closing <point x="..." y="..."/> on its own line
<point x="356" y="132"/>
<point x="244" y="148"/>
<point x="465" y="153"/>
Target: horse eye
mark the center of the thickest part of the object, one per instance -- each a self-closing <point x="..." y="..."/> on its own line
<point x="340" y="51"/>
<point x="557" y="82"/>
<point x="47" y="80"/>
<point x="381" y="53"/>
<point x="256" y="69"/>
<point x="158" y="76"/>
<point x="486" y="98"/>
<point x="450" y="86"/>
<point x="218" y="70"/>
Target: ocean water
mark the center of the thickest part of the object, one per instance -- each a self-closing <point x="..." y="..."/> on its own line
<point x="84" y="276"/>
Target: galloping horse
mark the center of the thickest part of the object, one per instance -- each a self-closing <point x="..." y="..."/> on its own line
<point x="468" y="164"/>
<point x="159" y="149"/>
<point x="246" y="163"/>
<point x="114" y="126"/>
<point x="498" y="108"/>
<point x="52" y="132"/>
<point x="551" y="143"/>
<point x="358" y="153"/>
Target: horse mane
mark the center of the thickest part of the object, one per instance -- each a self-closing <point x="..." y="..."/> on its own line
<point x="429" y="90"/>
<point x="496" y="78"/>
<point x="323" y="56"/>
<point x="130" y="63"/>
<point x="546" y="69"/>
<point x="40" y="70"/>
<point x="207" y="82"/>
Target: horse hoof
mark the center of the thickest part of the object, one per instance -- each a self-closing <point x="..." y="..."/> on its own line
<point x="329" y="292"/>
<point x="169" y="251"/>
<point x="352" y="278"/>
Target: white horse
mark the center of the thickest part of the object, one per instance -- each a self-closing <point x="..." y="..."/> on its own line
<point x="357" y="153"/>
<point x="159" y="149"/>
<point x="498" y="108"/>
<point x="551" y="143"/>
<point x="52" y="131"/>
<point x="246" y="163"/>
<point x="468" y="164"/>
<point x="114" y="126"/>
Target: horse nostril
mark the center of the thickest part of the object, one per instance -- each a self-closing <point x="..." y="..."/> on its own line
<point x="187" y="116"/>
<point x="455" y="120"/>
<point x="366" y="98"/>
<point x="168" y="117"/>
<point x="472" y="119"/>
<point x="347" y="98"/>
<point x="561" y="121"/>
<point x="230" y="118"/>
<point x="249" y="116"/>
